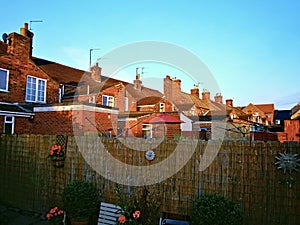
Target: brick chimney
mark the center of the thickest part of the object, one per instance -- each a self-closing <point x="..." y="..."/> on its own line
<point x="195" y="92"/>
<point x="206" y="96"/>
<point x="219" y="98"/>
<point x="137" y="83"/>
<point x="171" y="87"/>
<point x="21" y="44"/>
<point x="96" y="72"/>
<point x="229" y="102"/>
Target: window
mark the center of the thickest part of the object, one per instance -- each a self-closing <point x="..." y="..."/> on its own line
<point x="147" y="131"/>
<point x="3" y="80"/>
<point x="35" y="89"/>
<point x="9" y="124"/>
<point x="162" y="107"/>
<point x="107" y="100"/>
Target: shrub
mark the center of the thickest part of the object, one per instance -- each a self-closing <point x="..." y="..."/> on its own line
<point x="80" y="200"/>
<point x="216" y="210"/>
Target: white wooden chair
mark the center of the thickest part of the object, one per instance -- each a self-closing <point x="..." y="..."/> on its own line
<point x="109" y="213"/>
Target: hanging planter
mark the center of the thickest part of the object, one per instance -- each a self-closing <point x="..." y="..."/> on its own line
<point x="57" y="156"/>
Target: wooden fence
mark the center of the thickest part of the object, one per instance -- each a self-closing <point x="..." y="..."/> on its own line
<point x="243" y="171"/>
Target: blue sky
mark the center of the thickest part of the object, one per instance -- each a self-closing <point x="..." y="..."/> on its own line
<point x="252" y="48"/>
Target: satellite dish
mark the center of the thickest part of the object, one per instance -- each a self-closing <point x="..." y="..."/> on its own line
<point x="4" y="37"/>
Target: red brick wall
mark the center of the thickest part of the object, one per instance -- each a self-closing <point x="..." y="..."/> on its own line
<point x="292" y="129"/>
<point x="20" y="65"/>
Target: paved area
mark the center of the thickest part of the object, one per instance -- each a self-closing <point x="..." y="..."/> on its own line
<point x="15" y="216"/>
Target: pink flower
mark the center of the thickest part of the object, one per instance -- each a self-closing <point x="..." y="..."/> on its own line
<point x="122" y="219"/>
<point x="136" y="214"/>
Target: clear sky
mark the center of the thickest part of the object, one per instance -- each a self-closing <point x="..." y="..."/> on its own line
<point x="251" y="47"/>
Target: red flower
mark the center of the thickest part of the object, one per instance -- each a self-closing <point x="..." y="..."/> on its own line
<point x="136" y="214"/>
<point x="122" y="219"/>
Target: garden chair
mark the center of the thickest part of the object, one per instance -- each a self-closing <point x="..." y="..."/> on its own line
<point x="109" y="213"/>
<point x="172" y="222"/>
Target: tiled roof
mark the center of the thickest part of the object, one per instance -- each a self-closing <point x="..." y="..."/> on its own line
<point x="59" y="72"/>
<point x="266" y="108"/>
<point x="143" y="93"/>
<point x="162" y="118"/>
<point x="151" y="100"/>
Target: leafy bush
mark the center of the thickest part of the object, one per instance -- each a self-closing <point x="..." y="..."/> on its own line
<point x="216" y="210"/>
<point x="80" y="200"/>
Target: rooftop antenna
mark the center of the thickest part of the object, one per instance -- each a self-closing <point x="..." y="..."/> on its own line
<point x="92" y="49"/>
<point x="137" y="70"/>
<point x="34" y="21"/>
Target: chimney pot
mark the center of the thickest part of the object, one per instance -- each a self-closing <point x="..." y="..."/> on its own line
<point x="229" y="102"/>
<point x="206" y="96"/>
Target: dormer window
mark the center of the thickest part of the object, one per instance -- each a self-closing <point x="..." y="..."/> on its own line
<point x="108" y="100"/>
<point x="35" y="89"/>
<point x="4" y="74"/>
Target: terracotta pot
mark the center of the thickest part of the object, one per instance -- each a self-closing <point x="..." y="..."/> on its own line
<point x="74" y="222"/>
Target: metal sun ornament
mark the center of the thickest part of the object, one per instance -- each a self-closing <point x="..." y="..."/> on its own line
<point x="287" y="162"/>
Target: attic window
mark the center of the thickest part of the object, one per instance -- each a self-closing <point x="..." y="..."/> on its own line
<point x="4" y="74"/>
<point x="35" y="89"/>
<point x="108" y="100"/>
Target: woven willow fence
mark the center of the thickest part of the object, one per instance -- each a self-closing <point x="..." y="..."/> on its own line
<point x="242" y="171"/>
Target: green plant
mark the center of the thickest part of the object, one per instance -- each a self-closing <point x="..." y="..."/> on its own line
<point x="80" y="200"/>
<point x="129" y="214"/>
<point x="144" y="201"/>
<point x="216" y="210"/>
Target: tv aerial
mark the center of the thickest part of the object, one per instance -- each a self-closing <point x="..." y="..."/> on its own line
<point x="34" y="21"/>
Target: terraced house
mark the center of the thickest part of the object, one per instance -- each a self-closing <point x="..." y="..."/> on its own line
<point x="38" y="96"/>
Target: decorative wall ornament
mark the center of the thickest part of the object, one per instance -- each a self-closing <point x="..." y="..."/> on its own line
<point x="287" y="162"/>
<point x="150" y="155"/>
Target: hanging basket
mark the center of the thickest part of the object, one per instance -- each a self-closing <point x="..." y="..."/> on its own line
<point x="58" y="162"/>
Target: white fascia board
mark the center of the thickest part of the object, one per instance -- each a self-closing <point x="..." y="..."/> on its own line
<point x="202" y="122"/>
<point x="74" y="108"/>
<point x="20" y="114"/>
<point x="126" y="119"/>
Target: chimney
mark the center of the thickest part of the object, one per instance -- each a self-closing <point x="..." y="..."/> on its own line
<point x="206" y="96"/>
<point x="21" y="44"/>
<point x="195" y="91"/>
<point x="167" y="86"/>
<point x="229" y="102"/>
<point x="27" y="33"/>
<point x="177" y="82"/>
<point x="219" y="98"/>
<point x="96" y="72"/>
<point x="137" y="83"/>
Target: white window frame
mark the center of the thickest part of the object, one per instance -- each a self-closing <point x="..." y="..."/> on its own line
<point x="110" y="100"/>
<point x="7" y="79"/>
<point x="36" y="89"/>
<point x="162" y="107"/>
<point x="149" y="128"/>
<point x="12" y="122"/>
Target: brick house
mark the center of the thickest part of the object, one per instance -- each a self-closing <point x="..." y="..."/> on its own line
<point x="31" y="93"/>
<point x="44" y="97"/>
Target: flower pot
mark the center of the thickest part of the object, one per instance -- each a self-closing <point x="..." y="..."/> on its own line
<point x="58" y="162"/>
<point x="74" y="222"/>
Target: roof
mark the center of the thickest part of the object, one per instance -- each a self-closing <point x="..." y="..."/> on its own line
<point x="149" y="100"/>
<point x="143" y="93"/>
<point x="59" y="72"/>
<point x="14" y="109"/>
<point x="266" y="108"/>
<point x="162" y="118"/>
<point x="282" y="114"/>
